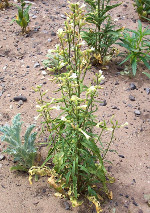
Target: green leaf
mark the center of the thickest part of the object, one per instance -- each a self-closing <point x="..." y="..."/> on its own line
<point x="126" y="59"/>
<point x="147" y="74"/>
<point x="134" y="65"/>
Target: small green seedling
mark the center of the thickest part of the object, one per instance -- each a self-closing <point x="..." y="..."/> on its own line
<point x="22" y="18"/>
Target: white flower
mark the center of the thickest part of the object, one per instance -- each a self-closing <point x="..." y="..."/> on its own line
<point x="100" y="72"/>
<point x="74" y="98"/>
<point x="38" y="106"/>
<point x="57" y="46"/>
<point x="60" y="31"/>
<point x="56" y="107"/>
<point x="84" y="133"/>
<point x="50" y="51"/>
<point x="44" y="73"/>
<point x="92" y="49"/>
<point x="101" y="78"/>
<point x="73" y="75"/>
<point x="62" y="64"/>
<point x="82" y="43"/>
<point x="125" y="124"/>
<point x="82" y="107"/>
<point x="63" y="118"/>
<point x="36" y="117"/>
<point x="83" y="5"/>
<point x="92" y="89"/>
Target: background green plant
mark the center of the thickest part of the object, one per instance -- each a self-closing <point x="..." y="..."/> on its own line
<point x="24" y="154"/>
<point x="76" y="150"/>
<point x="103" y="34"/>
<point x="143" y="8"/>
<point x="137" y="45"/>
<point x="22" y="18"/>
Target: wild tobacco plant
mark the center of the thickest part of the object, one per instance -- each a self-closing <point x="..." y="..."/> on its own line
<point x="22" y="18"/>
<point x="137" y="45"/>
<point x="103" y="34"/>
<point x="24" y="154"/>
<point x="76" y="150"/>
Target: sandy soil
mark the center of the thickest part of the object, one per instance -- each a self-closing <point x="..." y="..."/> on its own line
<point x="21" y="69"/>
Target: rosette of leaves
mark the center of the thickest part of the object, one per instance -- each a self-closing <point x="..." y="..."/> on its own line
<point x="102" y="35"/>
<point x="24" y="153"/>
<point x="143" y="9"/>
<point x="23" y="18"/>
<point x="137" y="44"/>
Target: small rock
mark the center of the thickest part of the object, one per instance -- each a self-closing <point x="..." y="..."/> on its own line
<point x="0" y="165"/>
<point x="23" y="88"/>
<point x="121" y="156"/>
<point x="36" y="65"/>
<point x="53" y="33"/>
<point x="20" y="103"/>
<point x="147" y="91"/>
<point x="49" y="40"/>
<point x="34" y="16"/>
<point x="132" y="86"/>
<point x="132" y="98"/>
<point x="115" y="107"/>
<point x="63" y="16"/>
<point x="140" y="211"/>
<point x="137" y="112"/>
<point x="66" y="205"/>
<point x="135" y="203"/>
<point x="20" y="97"/>
<point x="104" y="103"/>
<point x="116" y="83"/>
<point x="2" y="157"/>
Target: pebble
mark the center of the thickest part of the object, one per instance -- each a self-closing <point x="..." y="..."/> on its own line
<point x="115" y="107"/>
<point x="0" y="165"/>
<point x="20" y="97"/>
<point x="2" y="157"/>
<point x="135" y="203"/>
<point x="121" y="156"/>
<point x="36" y="65"/>
<point x="23" y="88"/>
<point x="34" y="16"/>
<point x="63" y="16"/>
<point x="116" y="83"/>
<point x="137" y="112"/>
<point x="49" y="40"/>
<point x="53" y="33"/>
<point x="66" y="205"/>
<point x="104" y="103"/>
<point x="147" y="91"/>
<point x="132" y="86"/>
<point x="20" y="103"/>
<point x="132" y="98"/>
